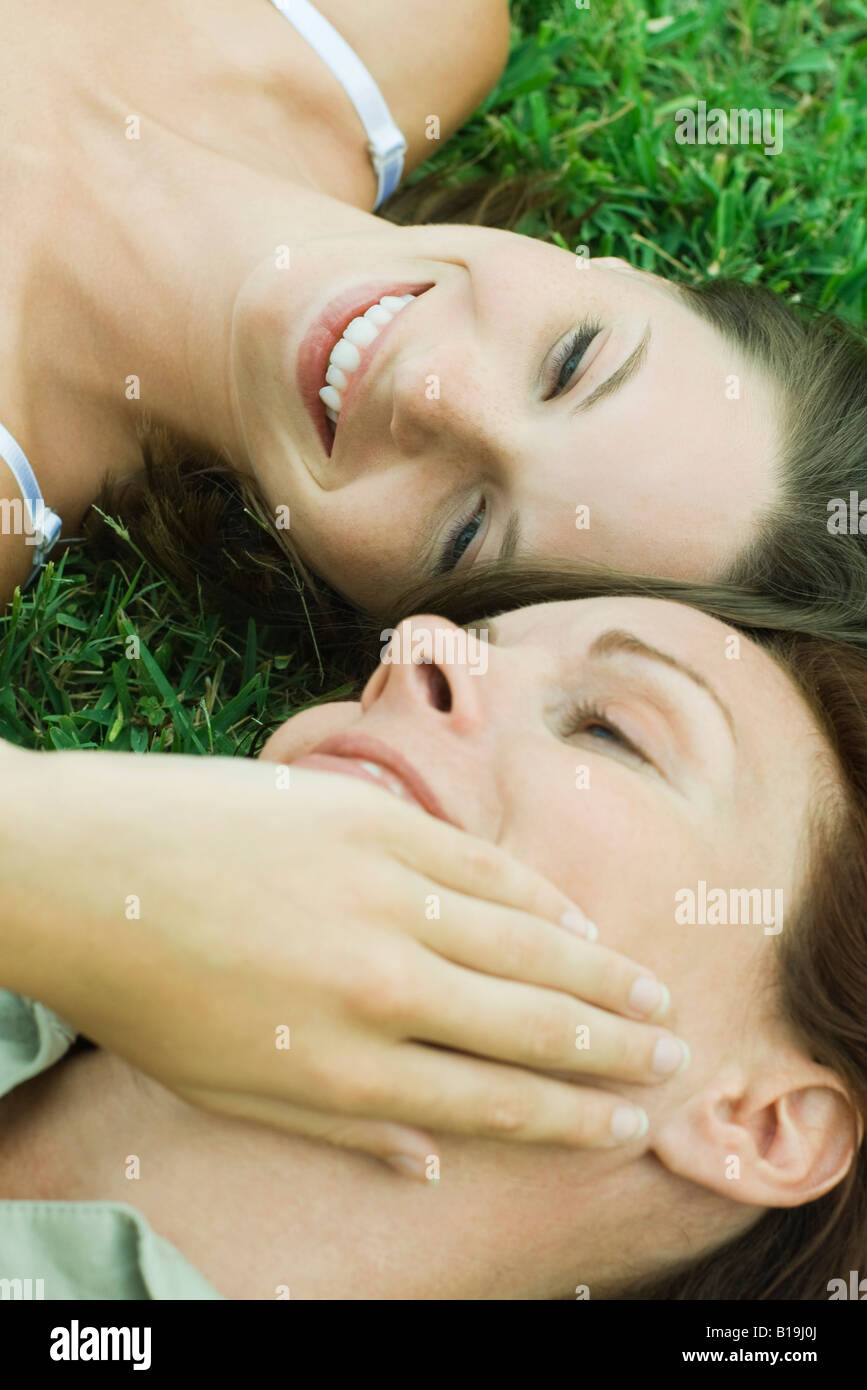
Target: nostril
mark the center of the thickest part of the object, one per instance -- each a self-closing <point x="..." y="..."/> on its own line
<point x="438" y="688"/>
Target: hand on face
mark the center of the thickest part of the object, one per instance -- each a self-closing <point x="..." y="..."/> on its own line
<point x="630" y="752"/>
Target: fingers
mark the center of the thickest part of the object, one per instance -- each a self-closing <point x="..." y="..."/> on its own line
<point x="468" y="1095"/>
<point x="476" y="868"/>
<point x="389" y="1105"/>
<point x="516" y="946"/>
<point x="438" y="1002"/>
<point x="408" y="1150"/>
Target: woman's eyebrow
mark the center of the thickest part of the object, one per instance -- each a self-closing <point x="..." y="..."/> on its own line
<point x="511" y="539"/>
<point x="633" y="364"/>
<point x="615" y="641"/>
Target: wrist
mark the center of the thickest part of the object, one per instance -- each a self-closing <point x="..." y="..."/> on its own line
<point x="22" y="853"/>
<point x="49" y="928"/>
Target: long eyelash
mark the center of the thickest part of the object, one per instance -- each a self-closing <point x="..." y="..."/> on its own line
<point x="449" y="559"/>
<point x="578" y="343"/>
<point x="584" y="712"/>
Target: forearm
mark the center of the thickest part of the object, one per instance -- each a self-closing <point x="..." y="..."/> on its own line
<point x="92" y="848"/>
<point x="26" y="865"/>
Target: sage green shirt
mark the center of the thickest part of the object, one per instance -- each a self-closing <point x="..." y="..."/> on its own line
<point x="52" y="1250"/>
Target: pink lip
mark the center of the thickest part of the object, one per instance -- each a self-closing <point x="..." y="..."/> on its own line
<point x="361" y="747"/>
<point x="316" y="345"/>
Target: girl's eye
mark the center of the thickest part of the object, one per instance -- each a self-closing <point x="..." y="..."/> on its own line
<point x="460" y="538"/>
<point x="570" y="355"/>
<point x="586" y="718"/>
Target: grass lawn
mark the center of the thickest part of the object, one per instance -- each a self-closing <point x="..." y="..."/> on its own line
<point x="588" y="102"/>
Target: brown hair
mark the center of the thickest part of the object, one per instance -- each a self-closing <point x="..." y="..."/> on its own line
<point x="206" y="527"/>
<point x="822" y="960"/>
<point x="819" y="365"/>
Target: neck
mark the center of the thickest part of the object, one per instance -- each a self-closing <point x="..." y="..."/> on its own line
<point x="253" y="1209"/>
<point x="130" y="311"/>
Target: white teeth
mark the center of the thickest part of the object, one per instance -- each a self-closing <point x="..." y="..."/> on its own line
<point x="378" y="315"/>
<point x="345" y="355"/>
<point x="361" y="332"/>
<point x="335" y="377"/>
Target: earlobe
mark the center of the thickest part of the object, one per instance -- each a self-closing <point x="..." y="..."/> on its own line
<point x="776" y="1142"/>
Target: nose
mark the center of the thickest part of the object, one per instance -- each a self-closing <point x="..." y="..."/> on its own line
<point x="453" y="396"/>
<point x="429" y="665"/>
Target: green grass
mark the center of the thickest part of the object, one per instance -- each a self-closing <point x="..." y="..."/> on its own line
<point x="587" y="102"/>
<point x="109" y="659"/>
<point x="588" y="99"/>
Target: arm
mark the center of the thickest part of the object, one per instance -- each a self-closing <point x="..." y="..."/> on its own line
<point x="433" y="57"/>
<point x="16" y="560"/>
<point x="264" y="952"/>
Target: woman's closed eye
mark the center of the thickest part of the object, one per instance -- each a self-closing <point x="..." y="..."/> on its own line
<point x="584" y="717"/>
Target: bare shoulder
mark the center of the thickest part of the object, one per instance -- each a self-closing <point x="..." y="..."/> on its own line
<point x="16" y="559"/>
<point x="430" y="58"/>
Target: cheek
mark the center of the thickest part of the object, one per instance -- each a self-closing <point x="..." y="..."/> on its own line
<point x="622" y="850"/>
<point x="361" y="550"/>
<point x="613" y="843"/>
<point x="568" y="821"/>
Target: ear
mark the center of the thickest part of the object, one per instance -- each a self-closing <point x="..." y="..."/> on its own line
<point x="778" y="1140"/>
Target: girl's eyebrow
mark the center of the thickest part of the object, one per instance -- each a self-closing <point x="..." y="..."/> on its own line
<point x="511" y="539"/>
<point x="615" y="641"/>
<point x="633" y="364"/>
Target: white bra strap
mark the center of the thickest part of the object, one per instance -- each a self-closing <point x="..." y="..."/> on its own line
<point x="387" y="145"/>
<point x="44" y="524"/>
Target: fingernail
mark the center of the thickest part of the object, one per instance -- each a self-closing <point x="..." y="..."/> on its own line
<point x="671" y="1056"/>
<point x="409" y="1166"/>
<point x="649" y="997"/>
<point x="628" y="1122"/>
<point x="575" y="921"/>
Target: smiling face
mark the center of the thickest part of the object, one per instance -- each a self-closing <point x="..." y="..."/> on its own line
<point x="617" y="748"/>
<point x="523" y="390"/>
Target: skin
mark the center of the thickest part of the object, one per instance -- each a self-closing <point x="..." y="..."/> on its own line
<point x="166" y="271"/>
<point x="503" y="1223"/>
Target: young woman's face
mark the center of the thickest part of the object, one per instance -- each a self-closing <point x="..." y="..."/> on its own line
<point x="629" y="750"/>
<point x="648" y="444"/>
